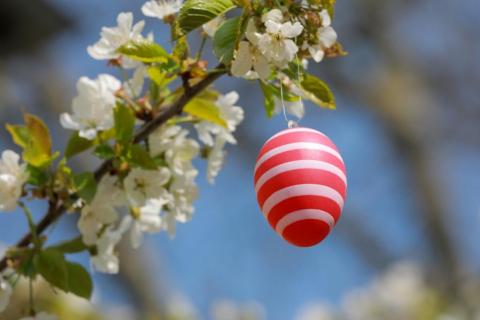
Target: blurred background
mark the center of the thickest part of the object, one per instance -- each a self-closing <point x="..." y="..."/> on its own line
<point x="407" y="124"/>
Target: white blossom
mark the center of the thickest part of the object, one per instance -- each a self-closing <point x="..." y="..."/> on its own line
<point x="211" y="27"/>
<point x="161" y="8"/>
<point x="216" y="136"/>
<point x="215" y="159"/>
<point x="228" y="310"/>
<point x="326" y="38"/>
<point x="13" y="176"/>
<point x="316" y="312"/>
<point x="134" y="86"/>
<point x="102" y="210"/>
<point x="106" y="260"/>
<point x="112" y="38"/>
<point x="397" y="293"/>
<point x="179" y="307"/>
<point x="5" y="293"/>
<point x="141" y="185"/>
<point x="41" y="316"/>
<point x="172" y="142"/>
<point x="148" y="219"/>
<point x="184" y="191"/>
<point x="277" y="44"/>
<point x="249" y="56"/>
<point x="93" y="107"/>
<point x="230" y="113"/>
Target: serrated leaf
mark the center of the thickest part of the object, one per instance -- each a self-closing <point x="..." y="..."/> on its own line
<point x="39" y="150"/>
<point x="144" y="51"/>
<point x="205" y="110"/>
<point x="34" y="138"/>
<point x="139" y="157"/>
<point x="85" y="185"/>
<point x="225" y="39"/>
<point x="318" y="91"/>
<point x="124" y="123"/>
<point x="79" y="280"/>
<point x="76" y="145"/>
<point x="195" y="13"/>
<point x="51" y="264"/>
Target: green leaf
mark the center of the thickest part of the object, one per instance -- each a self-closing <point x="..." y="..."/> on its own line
<point x="195" y="13"/>
<point x="268" y="94"/>
<point x="35" y="140"/>
<point x="85" y="185"/>
<point x="71" y="246"/>
<point x="104" y="151"/>
<point x="67" y="276"/>
<point x="139" y="157"/>
<point x="39" y="149"/>
<point x="25" y="256"/>
<point x="20" y="134"/>
<point x="225" y="39"/>
<point x="205" y="110"/>
<point x="124" y="123"/>
<point x="36" y="176"/>
<point x="79" y="280"/>
<point x="318" y="91"/>
<point x="144" y="51"/>
<point x="209" y="94"/>
<point x="161" y="78"/>
<point x="77" y="144"/>
<point x="52" y="266"/>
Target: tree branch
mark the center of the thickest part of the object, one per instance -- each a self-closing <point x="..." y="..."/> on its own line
<point x="56" y="208"/>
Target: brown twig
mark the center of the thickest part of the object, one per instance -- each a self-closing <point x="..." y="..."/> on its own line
<point x="56" y="208"/>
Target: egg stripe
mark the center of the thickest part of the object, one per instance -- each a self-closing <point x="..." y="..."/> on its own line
<point x="295" y="155"/>
<point x="301" y="190"/>
<point x="297" y="137"/>
<point x="306" y="214"/>
<point x="300" y="176"/>
<point x="295" y="146"/>
<point x="303" y="202"/>
<point x="301" y="164"/>
<point x="281" y="133"/>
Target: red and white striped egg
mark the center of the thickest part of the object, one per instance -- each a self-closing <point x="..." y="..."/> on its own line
<point x="300" y="181"/>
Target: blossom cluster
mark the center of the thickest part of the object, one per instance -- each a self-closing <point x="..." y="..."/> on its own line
<point x="277" y="38"/>
<point x="402" y="292"/>
<point x="156" y="199"/>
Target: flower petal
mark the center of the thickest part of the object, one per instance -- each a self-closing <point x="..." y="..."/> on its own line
<point x="243" y="60"/>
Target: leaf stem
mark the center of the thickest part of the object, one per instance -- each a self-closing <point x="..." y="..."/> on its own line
<point x="30" y="296"/>
<point x="202" y="46"/>
<point x="31" y="223"/>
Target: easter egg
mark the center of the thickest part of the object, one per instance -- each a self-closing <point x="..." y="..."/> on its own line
<point x="300" y="182"/>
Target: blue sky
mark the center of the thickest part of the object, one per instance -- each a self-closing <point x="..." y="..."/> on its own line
<point x="228" y="250"/>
